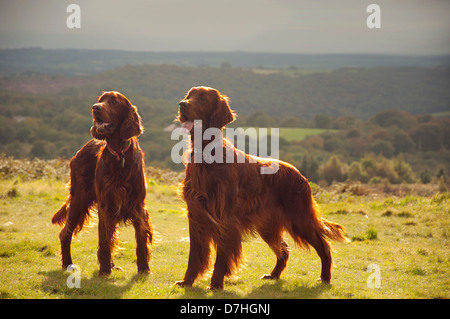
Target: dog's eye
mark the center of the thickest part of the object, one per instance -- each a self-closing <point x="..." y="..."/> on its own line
<point x="113" y="101"/>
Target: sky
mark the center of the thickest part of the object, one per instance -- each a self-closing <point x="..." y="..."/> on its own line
<point x="412" y="27"/>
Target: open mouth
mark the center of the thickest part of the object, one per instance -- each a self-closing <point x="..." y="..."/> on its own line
<point x="102" y="127"/>
<point x="186" y="124"/>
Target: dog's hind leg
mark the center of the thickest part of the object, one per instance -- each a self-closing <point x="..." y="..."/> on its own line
<point x="77" y="214"/>
<point x="273" y="236"/>
<point x="323" y="249"/>
<point x="65" y="237"/>
<point x="309" y="233"/>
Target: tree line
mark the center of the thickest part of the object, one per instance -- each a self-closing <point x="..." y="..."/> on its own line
<point x="360" y="107"/>
<point x="392" y="146"/>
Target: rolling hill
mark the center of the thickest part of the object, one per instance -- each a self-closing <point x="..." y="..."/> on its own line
<point x="71" y="62"/>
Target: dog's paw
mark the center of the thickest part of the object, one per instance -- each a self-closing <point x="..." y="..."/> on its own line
<point x="215" y="286"/>
<point x="269" y="277"/>
<point x="182" y="283"/>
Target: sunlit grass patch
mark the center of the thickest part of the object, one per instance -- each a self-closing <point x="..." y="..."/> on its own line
<point x="407" y="237"/>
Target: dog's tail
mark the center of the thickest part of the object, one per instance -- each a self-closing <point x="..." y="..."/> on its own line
<point x="333" y="231"/>
<point x="307" y="226"/>
<point x="59" y="218"/>
<point x="326" y="228"/>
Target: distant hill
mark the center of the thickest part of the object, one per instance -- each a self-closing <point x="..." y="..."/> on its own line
<point x="357" y="92"/>
<point x="374" y="105"/>
<point x="72" y="62"/>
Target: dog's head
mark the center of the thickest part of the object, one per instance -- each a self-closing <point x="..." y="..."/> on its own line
<point x="114" y="114"/>
<point x="205" y="104"/>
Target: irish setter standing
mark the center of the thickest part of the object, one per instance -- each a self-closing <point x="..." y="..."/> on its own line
<point x="225" y="201"/>
<point x="109" y="172"/>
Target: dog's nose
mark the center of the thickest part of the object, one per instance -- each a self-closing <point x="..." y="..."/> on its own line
<point x="96" y="107"/>
<point x="183" y="104"/>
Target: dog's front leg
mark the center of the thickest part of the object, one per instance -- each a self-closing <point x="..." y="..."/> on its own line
<point x="106" y="243"/>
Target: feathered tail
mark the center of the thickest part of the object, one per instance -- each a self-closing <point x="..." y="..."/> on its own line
<point x="326" y="228"/>
<point x="60" y="216"/>
<point x="333" y="231"/>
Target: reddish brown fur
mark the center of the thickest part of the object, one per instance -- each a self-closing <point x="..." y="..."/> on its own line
<point x="97" y="178"/>
<point x="225" y="201"/>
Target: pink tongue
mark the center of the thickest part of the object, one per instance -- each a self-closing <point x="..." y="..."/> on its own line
<point x="102" y="126"/>
<point x="188" y="125"/>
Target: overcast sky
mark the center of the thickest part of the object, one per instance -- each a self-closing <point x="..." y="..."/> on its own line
<point x="415" y="27"/>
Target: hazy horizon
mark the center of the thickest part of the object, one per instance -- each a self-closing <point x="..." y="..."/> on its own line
<point x="408" y="27"/>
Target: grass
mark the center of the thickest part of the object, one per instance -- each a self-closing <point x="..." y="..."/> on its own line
<point x="297" y="134"/>
<point x="407" y="237"/>
<point x="370" y="234"/>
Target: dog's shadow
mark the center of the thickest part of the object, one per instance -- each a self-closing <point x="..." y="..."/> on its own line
<point x="57" y="286"/>
<point x="279" y="290"/>
<point x="202" y="293"/>
<point x="267" y="290"/>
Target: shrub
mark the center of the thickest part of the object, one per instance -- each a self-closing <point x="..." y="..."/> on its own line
<point x="370" y="234"/>
<point x="355" y="173"/>
<point x="376" y="180"/>
<point x="385" y="168"/>
<point x="333" y="170"/>
<point x="310" y="167"/>
<point x="404" y="171"/>
<point x="425" y="176"/>
<point x="418" y="271"/>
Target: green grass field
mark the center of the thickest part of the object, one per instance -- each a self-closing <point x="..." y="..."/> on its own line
<point x="407" y="237"/>
<point x="299" y="134"/>
<point x="293" y="133"/>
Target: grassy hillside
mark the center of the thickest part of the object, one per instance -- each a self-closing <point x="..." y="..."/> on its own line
<point x="406" y="236"/>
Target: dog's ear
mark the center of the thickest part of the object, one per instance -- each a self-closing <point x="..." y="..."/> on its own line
<point x="222" y="114"/>
<point x="132" y="125"/>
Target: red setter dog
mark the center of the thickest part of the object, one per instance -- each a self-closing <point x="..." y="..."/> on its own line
<point x="228" y="200"/>
<point x="108" y="171"/>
